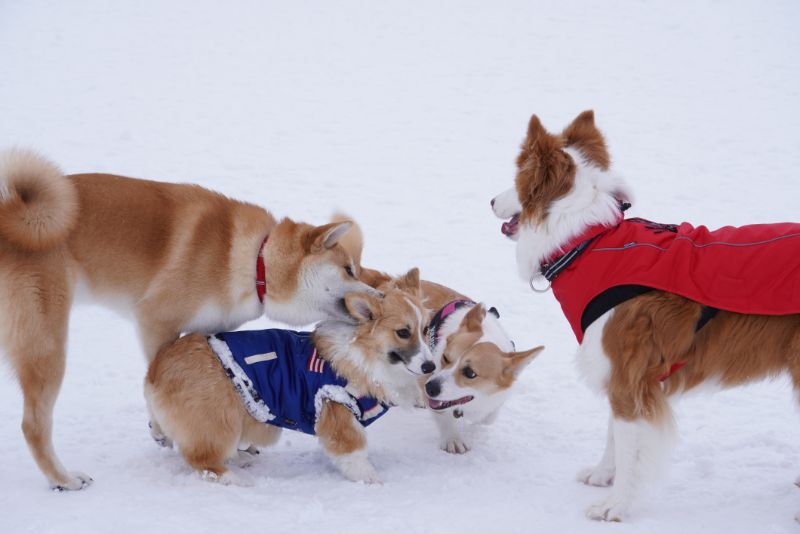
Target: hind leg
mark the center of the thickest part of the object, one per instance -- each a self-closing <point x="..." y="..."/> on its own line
<point x="35" y="335"/>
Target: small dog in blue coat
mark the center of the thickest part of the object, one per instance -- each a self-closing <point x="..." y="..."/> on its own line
<point x="218" y="395"/>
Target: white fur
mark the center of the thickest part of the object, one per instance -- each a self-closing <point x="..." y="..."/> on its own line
<point x="320" y="289"/>
<point x="593" y="200"/>
<point x="603" y="473"/>
<point x="594" y="365"/>
<point x="507" y="204"/>
<point x="639" y="452"/>
<point x="356" y="466"/>
<point x="451" y="437"/>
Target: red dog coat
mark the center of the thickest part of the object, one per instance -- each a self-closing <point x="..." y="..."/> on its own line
<point x="751" y="269"/>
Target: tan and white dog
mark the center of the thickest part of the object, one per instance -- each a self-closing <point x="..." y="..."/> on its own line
<point x="564" y="188"/>
<point x="476" y="362"/>
<point x="175" y="257"/>
<point x="379" y="350"/>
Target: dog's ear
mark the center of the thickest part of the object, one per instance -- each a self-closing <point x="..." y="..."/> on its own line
<point x="326" y="236"/>
<point x="584" y="135"/>
<point x="373" y="278"/>
<point x="517" y="361"/>
<point x="362" y="307"/>
<point x="352" y="241"/>
<point x="410" y="281"/>
<point x="535" y="131"/>
<point x="473" y="320"/>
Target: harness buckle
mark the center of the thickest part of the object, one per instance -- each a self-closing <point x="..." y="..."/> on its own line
<point x="545" y="289"/>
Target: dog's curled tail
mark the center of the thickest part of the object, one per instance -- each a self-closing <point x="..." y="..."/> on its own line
<point x="38" y="204"/>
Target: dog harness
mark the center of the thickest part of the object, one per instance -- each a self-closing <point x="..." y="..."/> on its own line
<point x="283" y="381"/>
<point x="751" y="269"/>
<point x="440" y="316"/>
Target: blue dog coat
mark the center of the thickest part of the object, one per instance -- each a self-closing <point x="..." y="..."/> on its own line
<point x="282" y="380"/>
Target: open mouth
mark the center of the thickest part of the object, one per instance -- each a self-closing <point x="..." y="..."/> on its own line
<point x="509" y="228"/>
<point x="443" y="405"/>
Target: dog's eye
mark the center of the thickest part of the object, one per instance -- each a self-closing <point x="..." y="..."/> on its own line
<point x="349" y="271"/>
<point x="469" y="373"/>
<point x="403" y="333"/>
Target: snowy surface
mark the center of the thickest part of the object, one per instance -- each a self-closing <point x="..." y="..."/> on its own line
<point x="408" y="116"/>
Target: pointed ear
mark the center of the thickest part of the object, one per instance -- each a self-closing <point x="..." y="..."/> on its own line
<point x="535" y="130"/>
<point x="517" y="361"/>
<point x="584" y="120"/>
<point x="326" y="236"/>
<point x="352" y="241"/>
<point x="362" y="307"/>
<point x="409" y="281"/>
<point x="473" y="320"/>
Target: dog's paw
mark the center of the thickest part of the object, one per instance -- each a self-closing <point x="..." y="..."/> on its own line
<point x="356" y="467"/>
<point x="76" y="481"/>
<point x="228" y="478"/>
<point x="158" y="435"/>
<point x="455" y="445"/>
<point x="608" y="510"/>
<point x="246" y="458"/>
<point x="596" y="476"/>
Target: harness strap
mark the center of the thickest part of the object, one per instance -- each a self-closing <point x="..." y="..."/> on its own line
<point x="440" y="316"/>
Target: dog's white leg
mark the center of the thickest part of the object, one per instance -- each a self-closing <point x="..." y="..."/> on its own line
<point x="356" y="466"/>
<point x="639" y="450"/>
<point x="603" y="473"/>
<point x="450" y="438"/>
<point x="245" y="457"/>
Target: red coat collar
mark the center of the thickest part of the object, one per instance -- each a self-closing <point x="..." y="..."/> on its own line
<point x="261" y="283"/>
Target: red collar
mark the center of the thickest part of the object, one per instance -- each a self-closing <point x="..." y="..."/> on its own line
<point x="261" y="283"/>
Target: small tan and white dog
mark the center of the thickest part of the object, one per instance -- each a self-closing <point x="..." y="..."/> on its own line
<point x="378" y="350"/>
<point x="175" y="257"/>
<point x="649" y="344"/>
<point x="476" y="362"/>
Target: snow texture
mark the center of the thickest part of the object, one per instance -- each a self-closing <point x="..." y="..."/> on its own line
<point x="408" y="116"/>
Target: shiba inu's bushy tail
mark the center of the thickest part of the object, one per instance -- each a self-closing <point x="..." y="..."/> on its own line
<point x="38" y="204"/>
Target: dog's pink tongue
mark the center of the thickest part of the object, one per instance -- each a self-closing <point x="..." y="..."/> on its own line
<point x="509" y="227"/>
<point x="435" y="404"/>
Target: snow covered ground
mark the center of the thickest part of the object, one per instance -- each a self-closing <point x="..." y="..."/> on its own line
<point x="408" y="116"/>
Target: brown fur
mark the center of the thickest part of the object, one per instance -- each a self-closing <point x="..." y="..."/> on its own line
<point x="650" y="333"/>
<point x="164" y="250"/>
<point x="544" y="172"/>
<point x="584" y="135"/>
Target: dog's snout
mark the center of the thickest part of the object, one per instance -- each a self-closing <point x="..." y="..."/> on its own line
<point x="428" y="367"/>
<point x="433" y="388"/>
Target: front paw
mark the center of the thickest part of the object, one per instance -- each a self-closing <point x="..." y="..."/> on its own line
<point x="246" y="457"/>
<point x="455" y="445"/>
<point x="596" y="476"/>
<point x="608" y="510"/>
<point x="76" y="481"/>
<point x="356" y="467"/>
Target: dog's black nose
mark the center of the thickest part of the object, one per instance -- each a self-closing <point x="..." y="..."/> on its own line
<point x="492" y="202"/>
<point x="432" y="388"/>
<point x="428" y="367"/>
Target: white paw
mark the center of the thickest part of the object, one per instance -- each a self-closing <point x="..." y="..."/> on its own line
<point x="608" y="510"/>
<point x="246" y="458"/>
<point x="158" y="435"/>
<point x="596" y="476"/>
<point x="455" y="445"/>
<point x="356" y="467"/>
<point x="76" y="481"/>
<point x="228" y="478"/>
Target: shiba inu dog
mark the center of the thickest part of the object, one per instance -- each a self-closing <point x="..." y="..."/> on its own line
<point x="346" y="373"/>
<point x="658" y="309"/>
<point x="174" y="257"/>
